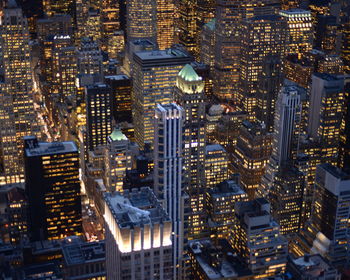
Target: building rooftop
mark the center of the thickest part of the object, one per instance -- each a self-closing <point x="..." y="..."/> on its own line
<point x="117" y="135"/>
<point x="217" y="261"/>
<point x="160" y="54"/>
<point x="170" y="106"/>
<point x="118" y="77"/>
<point x="189" y="74"/>
<point x="213" y="148"/>
<point x="162" y="58"/>
<point x="336" y="172"/>
<point x="135" y="208"/>
<point x="226" y="188"/>
<point x="295" y="13"/>
<point x="311" y="266"/>
<point x="79" y="252"/>
<point x="34" y="148"/>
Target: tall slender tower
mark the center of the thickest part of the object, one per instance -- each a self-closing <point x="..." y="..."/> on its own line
<point x="286" y="132"/>
<point x="16" y="93"/>
<point x="168" y="185"/>
<point x="165" y="23"/>
<point x="189" y="93"/>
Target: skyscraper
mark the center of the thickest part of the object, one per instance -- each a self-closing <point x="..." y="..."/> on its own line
<point x="64" y="67"/>
<point x="155" y="74"/>
<point x="52" y="7"/>
<point x="300" y="31"/>
<point x="256" y="238"/>
<point x="251" y="155"/>
<point x="228" y="34"/>
<point x="53" y="189"/>
<point x="207" y="44"/>
<point x="98" y="114"/>
<point x="17" y="117"/>
<point x="117" y="160"/>
<point x="286" y="133"/>
<point x="326" y="112"/>
<point x="165" y="23"/>
<point x="327" y="230"/>
<point x="89" y="57"/>
<point x="121" y="86"/>
<point x="263" y="45"/>
<point x="220" y="206"/>
<point x="216" y="165"/>
<point x="344" y="151"/>
<point x="168" y="168"/>
<point x="286" y="198"/>
<point x="189" y="94"/>
<point x="138" y="236"/>
<point x="141" y="20"/>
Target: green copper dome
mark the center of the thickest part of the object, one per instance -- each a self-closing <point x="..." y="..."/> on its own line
<point x="211" y="24"/>
<point x="117" y="135"/>
<point x="188" y="74"/>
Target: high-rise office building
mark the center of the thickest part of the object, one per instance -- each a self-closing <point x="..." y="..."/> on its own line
<point x="216" y="165"/>
<point x="13" y="213"/>
<point x="168" y="168"/>
<point x="327" y="230"/>
<point x="53" y="189"/>
<point x="207" y="44"/>
<point x="188" y="25"/>
<point x="345" y="53"/>
<point x="92" y="26"/>
<point x="116" y="44"/>
<point x="189" y="94"/>
<point x="256" y="238"/>
<point x="138" y="236"/>
<point x="251" y="155"/>
<point x="344" y="151"/>
<point x="61" y="25"/>
<point x="89" y="57"/>
<point x="155" y="74"/>
<point x="98" y="114"/>
<point x="262" y="50"/>
<point x="220" y="206"/>
<point x="110" y="10"/>
<point x="53" y="7"/>
<point x="17" y="117"/>
<point x="117" y="160"/>
<point x="300" y="31"/>
<point x="141" y="20"/>
<point x="228" y="35"/>
<point x="121" y="86"/>
<point x="33" y="10"/>
<point x="291" y="4"/>
<point x="64" y="67"/>
<point x="165" y="23"/>
<point x="328" y="37"/>
<point x="286" y="133"/>
<point x="326" y="112"/>
<point x="286" y="198"/>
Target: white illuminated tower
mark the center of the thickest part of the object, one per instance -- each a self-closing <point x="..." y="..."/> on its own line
<point x="17" y="116"/>
<point x="138" y="236"/>
<point x="168" y="162"/>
